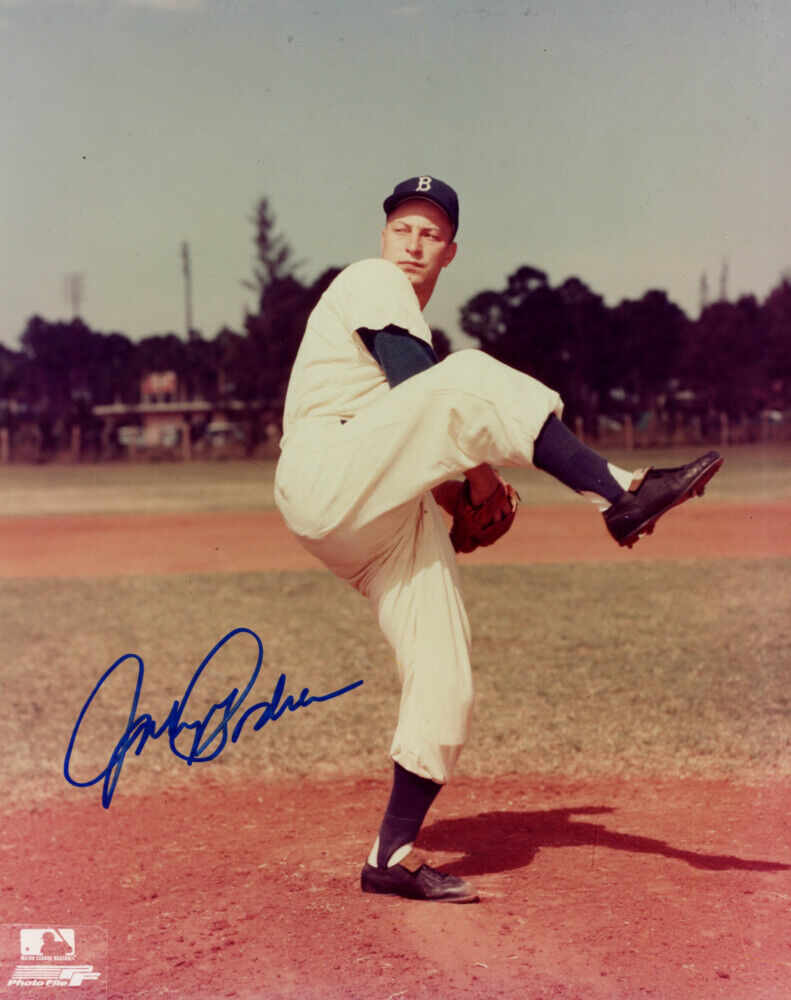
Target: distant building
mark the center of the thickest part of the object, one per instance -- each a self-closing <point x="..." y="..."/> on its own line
<point x="164" y="420"/>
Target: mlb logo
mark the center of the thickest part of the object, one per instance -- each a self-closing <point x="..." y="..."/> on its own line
<point x="47" y="942"/>
<point x="47" y="957"/>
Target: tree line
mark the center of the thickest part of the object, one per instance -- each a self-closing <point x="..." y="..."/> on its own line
<point x="639" y="356"/>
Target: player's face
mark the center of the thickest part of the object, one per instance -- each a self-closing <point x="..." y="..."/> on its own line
<point x="417" y="238"/>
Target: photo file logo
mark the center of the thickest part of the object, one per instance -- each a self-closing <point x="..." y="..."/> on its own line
<point x="47" y="957"/>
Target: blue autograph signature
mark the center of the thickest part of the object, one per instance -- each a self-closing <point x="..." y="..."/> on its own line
<point x="204" y="747"/>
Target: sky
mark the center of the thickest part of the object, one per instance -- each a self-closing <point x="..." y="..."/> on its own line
<point x="632" y="144"/>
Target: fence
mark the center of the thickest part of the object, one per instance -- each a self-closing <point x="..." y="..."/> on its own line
<point x="658" y="431"/>
<point x="664" y="431"/>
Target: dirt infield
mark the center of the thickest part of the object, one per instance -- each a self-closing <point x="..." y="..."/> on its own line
<point x="607" y="889"/>
<point x="238" y="541"/>
<point x="592" y="888"/>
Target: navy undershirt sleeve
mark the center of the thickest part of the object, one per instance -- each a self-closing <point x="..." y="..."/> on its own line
<point x="399" y="354"/>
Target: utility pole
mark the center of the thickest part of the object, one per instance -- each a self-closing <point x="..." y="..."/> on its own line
<point x="185" y="257"/>
<point x="73" y="285"/>
<point x="703" y="292"/>
<point x="724" y="281"/>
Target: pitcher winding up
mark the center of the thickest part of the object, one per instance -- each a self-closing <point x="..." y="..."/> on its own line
<point x="377" y="436"/>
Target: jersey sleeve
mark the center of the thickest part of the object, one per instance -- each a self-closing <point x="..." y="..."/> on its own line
<point x="399" y="354"/>
<point x="375" y="294"/>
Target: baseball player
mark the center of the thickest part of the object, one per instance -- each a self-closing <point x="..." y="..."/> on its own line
<point x="377" y="436"/>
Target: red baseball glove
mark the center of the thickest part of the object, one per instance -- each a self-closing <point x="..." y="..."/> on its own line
<point x="476" y="526"/>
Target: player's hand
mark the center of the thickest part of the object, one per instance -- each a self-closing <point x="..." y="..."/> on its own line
<point x="484" y="523"/>
<point x="484" y="482"/>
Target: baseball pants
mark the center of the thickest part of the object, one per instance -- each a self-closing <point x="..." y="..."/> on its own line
<point x="357" y="496"/>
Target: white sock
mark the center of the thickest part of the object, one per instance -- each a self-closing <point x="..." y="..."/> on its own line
<point x="621" y="476"/>
<point x="397" y="856"/>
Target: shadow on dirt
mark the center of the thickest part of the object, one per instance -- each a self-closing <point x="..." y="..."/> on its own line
<point x="504" y="841"/>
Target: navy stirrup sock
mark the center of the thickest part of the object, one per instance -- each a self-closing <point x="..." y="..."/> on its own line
<point x="410" y="800"/>
<point x="561" y="454"/>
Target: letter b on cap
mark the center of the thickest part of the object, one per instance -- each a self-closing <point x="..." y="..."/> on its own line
<point x="423" y="184"/>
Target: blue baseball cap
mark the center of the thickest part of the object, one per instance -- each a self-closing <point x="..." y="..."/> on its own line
<point x="430" y="189"/>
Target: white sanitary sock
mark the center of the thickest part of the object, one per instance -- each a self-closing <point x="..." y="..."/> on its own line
<point x="621" y="476"/>
<point x="397" y="856"/>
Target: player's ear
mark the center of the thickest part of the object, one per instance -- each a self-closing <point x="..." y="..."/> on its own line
<point x="450" y="253"/>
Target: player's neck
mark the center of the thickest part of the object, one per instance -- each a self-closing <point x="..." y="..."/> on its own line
<point x="424" y="293"/>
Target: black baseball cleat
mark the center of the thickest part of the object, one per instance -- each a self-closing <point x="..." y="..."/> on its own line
<point x="414" y="879"/>
<point x="638" y="510"/>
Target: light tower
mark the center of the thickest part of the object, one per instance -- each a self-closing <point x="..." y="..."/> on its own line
<point x="185" y="259"/>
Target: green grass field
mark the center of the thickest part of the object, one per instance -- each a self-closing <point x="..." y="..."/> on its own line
<point x="751" y="472"/>
<point x="669" y="668"/>
<point x="665" y="668"/>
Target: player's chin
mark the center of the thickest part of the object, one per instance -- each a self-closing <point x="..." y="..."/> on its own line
<point x="416" y="275"/>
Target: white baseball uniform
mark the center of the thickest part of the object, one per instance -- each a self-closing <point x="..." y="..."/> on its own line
<point x="358" y="461"/>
